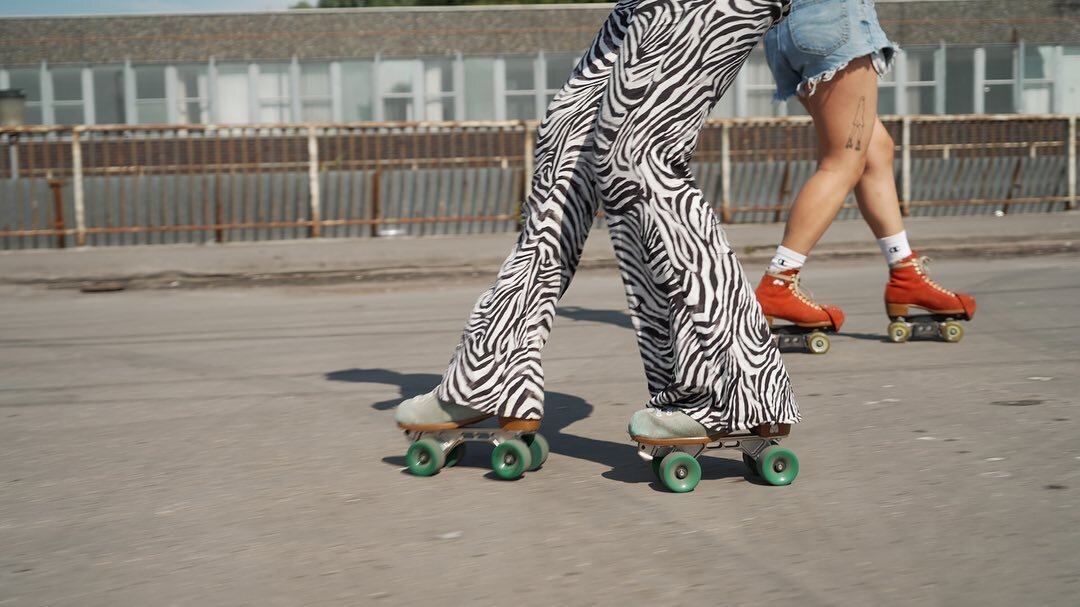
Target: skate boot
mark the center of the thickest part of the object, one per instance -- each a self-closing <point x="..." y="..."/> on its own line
<point x="910" y="287"/>
<point x="439" y="430"/>
<point x="781" y="298"/>
<point x="671" y="441"/>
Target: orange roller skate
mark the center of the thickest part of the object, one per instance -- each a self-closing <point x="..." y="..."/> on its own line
<point x="780" y="297"/>
<point x="910" y="286"/>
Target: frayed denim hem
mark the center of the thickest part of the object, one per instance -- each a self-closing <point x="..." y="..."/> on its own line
<point x="883" y="60"/>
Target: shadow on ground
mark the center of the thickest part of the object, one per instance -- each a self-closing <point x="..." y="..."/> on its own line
<point x="866" y="336"/>
<point x="612" y="317"/>
<point x="561" y="411"/>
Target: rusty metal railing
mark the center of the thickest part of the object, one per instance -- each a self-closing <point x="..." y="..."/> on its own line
<point x="127" y="184"/>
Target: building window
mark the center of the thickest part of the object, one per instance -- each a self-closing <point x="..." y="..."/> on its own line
<point x="109" y="94"/>
<point x="192" y="94"/>
<point x="520" y="90"/>
<point x="1038" y="91"/>
<point x="439" y="89"/>
<point x="999" y="80"/>
<point x="480" y="88"/>
<point x="920" y="81"/>
<point x="315" y="96"/>
<point x="960" y="81"/>
<point x="28" y="80"/>
<point x="886" y="99"/>
<point x="760" y="87"/>
<point x="67" y="95"/>
<point x="1069" y="74"/>
<point x="397" y="89"/>
<point x="273" y="93"/>
<point x="233" y="103"/>
<point x="557" y="70"/>
<point x="151" y="105"/>
<point x="358" y="78"/>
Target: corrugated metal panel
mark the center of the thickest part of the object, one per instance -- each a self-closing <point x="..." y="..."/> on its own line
<point x="27" y="205"/>
<point x="415" y="195"/>
<point x="195" y="184"/>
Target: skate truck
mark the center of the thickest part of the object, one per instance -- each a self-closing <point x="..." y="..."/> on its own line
<point x="674" y="461"/>
<point x="519" y="448"/>
<point x="813" y="339"/>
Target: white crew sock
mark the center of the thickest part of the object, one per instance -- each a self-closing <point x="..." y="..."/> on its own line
<point x="786" y="259"/>
<point x="895" y="247"/>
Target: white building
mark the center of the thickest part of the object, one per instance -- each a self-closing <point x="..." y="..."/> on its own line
<point x="497" y="62"/>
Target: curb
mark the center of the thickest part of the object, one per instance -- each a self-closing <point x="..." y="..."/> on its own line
<point x="413" y="273"/>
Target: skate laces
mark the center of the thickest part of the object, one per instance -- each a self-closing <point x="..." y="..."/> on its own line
<point x="804" y="294"/>
<point x="922" y="266"/>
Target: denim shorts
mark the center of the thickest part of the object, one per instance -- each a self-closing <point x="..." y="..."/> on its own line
<point x="819" y="38"/>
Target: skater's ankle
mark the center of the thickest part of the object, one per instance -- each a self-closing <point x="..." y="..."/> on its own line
<point x="895" y="248"/>
<point x="786" y="259"/>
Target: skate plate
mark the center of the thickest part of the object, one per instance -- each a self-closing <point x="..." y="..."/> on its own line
<point x="516" y="451"/>
<point x="946" y="327"/>
<point x="811" y="339"/>
<point x="674" y="461"/>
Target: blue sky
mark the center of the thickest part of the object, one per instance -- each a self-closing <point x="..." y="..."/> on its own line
<point x="11" y="8"/>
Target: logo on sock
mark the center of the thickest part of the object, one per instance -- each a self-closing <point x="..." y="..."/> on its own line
<point x="894" y="249"/>
<point x="781" y="262"/>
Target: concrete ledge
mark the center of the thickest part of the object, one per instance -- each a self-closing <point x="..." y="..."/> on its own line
<point x="400" y="258"/>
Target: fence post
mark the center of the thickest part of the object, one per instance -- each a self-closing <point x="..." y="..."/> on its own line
<point x="905" y="166"/>
<point x="1071" y="205"/>
<point x="56" y="185"/>
<point x="313" y="182"/>
<point x="77" y="187"/>
<point x="725" y="173"/>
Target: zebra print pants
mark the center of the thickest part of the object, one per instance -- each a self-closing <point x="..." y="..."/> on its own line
<point x="621" y="133"/>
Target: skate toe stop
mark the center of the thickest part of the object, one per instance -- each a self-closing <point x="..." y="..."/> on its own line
<point x="968" y="302"/>
<point x="836" y="316"/>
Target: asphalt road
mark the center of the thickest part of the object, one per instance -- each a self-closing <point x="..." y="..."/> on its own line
<point x="236" y="447"/>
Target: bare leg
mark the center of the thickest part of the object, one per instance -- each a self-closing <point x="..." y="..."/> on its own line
<point x="844" y="111"/>
<point x="876" y="190"/>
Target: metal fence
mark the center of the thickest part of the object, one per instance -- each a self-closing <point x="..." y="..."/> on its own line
<point x="124" y="185"/>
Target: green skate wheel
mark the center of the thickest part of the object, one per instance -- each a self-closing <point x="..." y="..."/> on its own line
<point x="817" y="342"/>
<point x="538" y="449"/>
<point x="952" y="331"/>
<point x="655" y="462"/>
<point x="751" y="464"/>
<point x="779" y="466"/>
<point x="655" y="465"/>
<point x="680" y="471"/>
<point x="511" y="459"/>
<point x="425" y="457"/>
<point x="899" y="332"/>
<point x="455" y="455"/>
